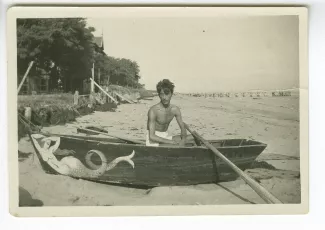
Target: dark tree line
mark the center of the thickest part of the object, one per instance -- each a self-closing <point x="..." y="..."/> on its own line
<point x="65" y="50"/>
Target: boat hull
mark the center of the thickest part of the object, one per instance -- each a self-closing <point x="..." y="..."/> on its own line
<point x="164" y="166"/>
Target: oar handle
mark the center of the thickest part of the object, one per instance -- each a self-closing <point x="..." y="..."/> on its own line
<point x="260" y="190"/>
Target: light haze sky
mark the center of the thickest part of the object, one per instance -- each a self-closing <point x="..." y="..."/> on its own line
<point x="207" y="54"/>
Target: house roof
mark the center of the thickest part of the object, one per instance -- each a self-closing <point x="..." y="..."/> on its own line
<point x="99" y="42"/>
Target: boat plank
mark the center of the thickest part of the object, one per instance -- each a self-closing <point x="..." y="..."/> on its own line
<point x="158" y="166"/>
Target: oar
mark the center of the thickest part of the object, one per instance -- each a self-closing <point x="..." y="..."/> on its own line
<point x="116" y="136"/>
<point x="260" y="190"/>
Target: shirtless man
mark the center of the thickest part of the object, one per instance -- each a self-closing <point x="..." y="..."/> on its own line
<point x="160" y="116"/>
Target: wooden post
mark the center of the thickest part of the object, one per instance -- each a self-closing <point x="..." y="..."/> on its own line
<point x="23" y="80"/>
<point x="108" y="78"/>
<point x="123" y="98"/>
<point x="104" y="91"/>
<point x="92" y="78"/>
<point x="28" y="113"/>
<point x="28" y="88"/>
<point x="106" y="97"/>
<point x="47" y="85"/>
<point x="76" y="98"/>
<point x="92" y="100"/>
<point x="99" y="75"/>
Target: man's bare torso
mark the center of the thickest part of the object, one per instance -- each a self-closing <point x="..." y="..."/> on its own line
<point x="163" y="116"/>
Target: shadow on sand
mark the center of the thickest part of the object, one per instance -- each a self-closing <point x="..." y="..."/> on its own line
<point x="23" y="156"/>
<point x="26" y="199"/>
<point x="236" y="195"/>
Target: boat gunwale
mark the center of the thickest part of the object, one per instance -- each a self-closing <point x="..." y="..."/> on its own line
<point x="74" y="137"/>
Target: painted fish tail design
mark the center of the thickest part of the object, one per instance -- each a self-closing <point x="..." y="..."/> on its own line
<point x="120" y="159"/>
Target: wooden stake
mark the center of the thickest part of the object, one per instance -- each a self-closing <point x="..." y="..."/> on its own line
<point x="76" y="98"/>
<point x="23" y="80"/>
<point x="99" y="75"/>
<point x="104" y="91"/>
<point x="92" y="78"/>
<point x="260" y="190"/>
<point x="28" y="113"/>
<point x="123" y="98"/>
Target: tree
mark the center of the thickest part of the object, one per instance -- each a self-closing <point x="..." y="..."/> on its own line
<point x="60" y="46"/>
<point x="64" y="48"/>
<point x="119" y="71"/>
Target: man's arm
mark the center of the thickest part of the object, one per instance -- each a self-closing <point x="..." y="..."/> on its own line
<point x="180" y="122"/>
<point x="152" y="136"/>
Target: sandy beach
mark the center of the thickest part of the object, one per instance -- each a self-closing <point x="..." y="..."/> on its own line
<point x="271" y="120"/>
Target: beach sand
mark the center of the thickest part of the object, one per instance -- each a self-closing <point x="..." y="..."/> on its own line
<point x="271" y="120"/>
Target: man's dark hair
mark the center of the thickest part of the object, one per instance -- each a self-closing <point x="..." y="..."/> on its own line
<point x="165" y="85"/>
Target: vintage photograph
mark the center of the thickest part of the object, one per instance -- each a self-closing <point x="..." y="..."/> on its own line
<point x="159" y="106"/>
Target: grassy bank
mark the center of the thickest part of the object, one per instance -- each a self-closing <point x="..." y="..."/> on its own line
<point x="59" y="109"/>
<point x="54" y="109"/>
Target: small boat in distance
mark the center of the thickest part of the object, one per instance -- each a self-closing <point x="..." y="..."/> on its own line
<point x="152" y="166"/>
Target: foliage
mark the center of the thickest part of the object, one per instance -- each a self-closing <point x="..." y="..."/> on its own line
<point x="117" y="71"/>
<point x="53" y="109"/>
<point x="143" y="93"/>
<point x="64" y="48"/>
<point x="61" y="47"/>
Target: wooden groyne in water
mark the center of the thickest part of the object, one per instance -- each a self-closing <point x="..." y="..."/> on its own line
<point x="252" y="94"/>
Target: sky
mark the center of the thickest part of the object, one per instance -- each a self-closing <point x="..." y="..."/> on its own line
<point x="207" y="54"/>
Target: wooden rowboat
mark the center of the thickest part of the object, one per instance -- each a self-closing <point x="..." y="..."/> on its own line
<point x="151" y="166"/>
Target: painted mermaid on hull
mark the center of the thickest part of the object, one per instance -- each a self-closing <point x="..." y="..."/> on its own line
<point x="70" y="165"/>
